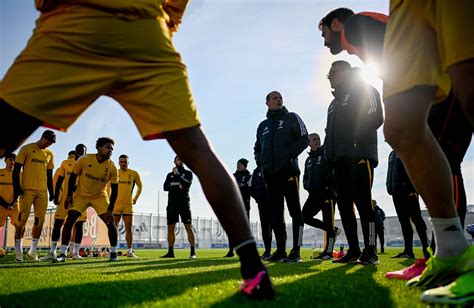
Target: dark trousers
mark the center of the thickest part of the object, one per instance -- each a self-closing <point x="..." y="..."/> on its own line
<point x="408" y="210"/>
<point x="315" y="203"/>
<point x="283" y="187"/>
<point x="380" y="234"/>
<point x="265" y="222"/>
<point x="354" y="178"/>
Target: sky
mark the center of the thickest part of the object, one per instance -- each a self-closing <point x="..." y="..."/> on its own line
<point x="236" y="52"/>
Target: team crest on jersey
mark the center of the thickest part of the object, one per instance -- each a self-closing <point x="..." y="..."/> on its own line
<point x="280" y="124"/>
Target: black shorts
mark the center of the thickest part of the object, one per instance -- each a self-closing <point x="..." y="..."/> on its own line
<point x="173" y="213"/>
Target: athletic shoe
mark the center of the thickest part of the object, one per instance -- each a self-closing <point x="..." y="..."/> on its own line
<point x="69" y="254"/>
<point x="442" y="271"/>
<point x="294" y="257"/>
<point x="259" y="288"/>
<point x="31" y="255"/>
<point x="230" y="254"/>
<point x="277" y="256"/>
<point x="404" y="255"/>
<point x="113" y="257"/>
<point x="266" y="255"/>
<point x="460" y="292"/>
<point x="168" y="255"/>
<point x="76" y="257"/>
<point x="410" y="272"/>
<point x="324" y="256"/>
<point x="50" y="256"/>
<point x="368" y="257"/>
<point x="132" y="255"/>
<point x="60" y="259"/>
<point x="350" y="256"/>
<point x="19" y="256"/>
<point x="192" y="257"/>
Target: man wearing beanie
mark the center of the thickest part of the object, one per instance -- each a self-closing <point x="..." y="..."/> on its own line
<point x="243" y="177"/>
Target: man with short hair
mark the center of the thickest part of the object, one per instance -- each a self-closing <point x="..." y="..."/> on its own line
<point x="61" y="187"/>
<point x="177" y="185"/>
<point x="37" y="162"/>
<point x="318" y="180"/>
<point x="354" y="116"/>
<point x="92" y="173"/>
<point x="145" y="74"/>
<point x="127" y="179"/>
<point x="8" y="204"/>
<point x="280" y="140"/>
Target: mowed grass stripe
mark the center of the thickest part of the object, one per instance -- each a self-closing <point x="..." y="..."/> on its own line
<point x="207" y="281"/>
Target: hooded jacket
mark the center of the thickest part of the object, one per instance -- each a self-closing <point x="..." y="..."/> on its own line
<point x="280" y="140"/>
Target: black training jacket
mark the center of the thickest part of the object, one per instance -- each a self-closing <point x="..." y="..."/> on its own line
<point x="318" y="176"/>
<point x="258" y="188"/>
<point x="243" y="181"/>
<point x="397" y="178"/>
<point x="178" y="196"/>
<point x="280" y="140"/>
<point x="354" y="116"/>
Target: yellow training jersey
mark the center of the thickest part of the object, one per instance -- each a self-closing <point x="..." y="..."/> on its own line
<point x="127" y="179"/>
<point x="6" y="185"/>
<point x="65" y="170"/>
<point x="93" y="176"/>
<point x="35" y="162"/>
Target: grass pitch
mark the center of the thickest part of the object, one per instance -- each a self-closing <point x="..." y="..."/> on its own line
<point x="207" y="281"/>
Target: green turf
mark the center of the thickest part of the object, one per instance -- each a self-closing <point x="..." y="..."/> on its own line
<point x="209" y="280"/>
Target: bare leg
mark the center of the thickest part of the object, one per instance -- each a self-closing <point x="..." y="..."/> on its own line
<point x="171" y="236"/>
<point x="127" y="219"/>
<point x="190" y="232"/>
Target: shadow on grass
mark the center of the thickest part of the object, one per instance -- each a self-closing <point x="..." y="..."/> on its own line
<point x="346" y="286"/>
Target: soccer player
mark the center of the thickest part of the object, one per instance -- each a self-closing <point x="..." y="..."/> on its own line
<point x="127" y="179"/>
<point x="177" y="185"/>
<point x="280" y="140"/>
<point x="92" y="173"/>
<point x="79" y="60"/>
<point x="427" y="52"/>
<point x="242" y="177"/>
<point x="318" y="180"/>
<point x="8" y="204"/>
<point x="37" y="162"/>
<point x="354" y="116"/>
<point x="60" y="194"/>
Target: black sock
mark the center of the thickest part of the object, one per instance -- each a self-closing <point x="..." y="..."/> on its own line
<point x="171" y="250"/>
<point x="192" y="251"/>
<point x="249" y="259"/>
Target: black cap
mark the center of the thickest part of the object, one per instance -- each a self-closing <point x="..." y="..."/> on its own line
<point x="49" y="135"/>
<point x="243" y="161"/>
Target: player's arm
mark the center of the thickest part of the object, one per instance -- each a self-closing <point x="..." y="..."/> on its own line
<point x="49" y="176"/>
<point x="257" y="149"/>
<point x="70" y="189"/>
<point x="138" y="182"/>
<point x="301" y="134"/>
<point x="175" y="10"/>
<point x="185" y="179"/>
<point x="166" y="185"/>
<point x="17" y="191"/>
<point x="57" y="189"/>
<point x="113" y="196"/>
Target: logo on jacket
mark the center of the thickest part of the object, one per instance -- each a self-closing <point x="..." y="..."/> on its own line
<point x="265" y="131"/>
<point x="280" y="124"/>
<point x="346" y="97"/>
<point x="361" y="162"/>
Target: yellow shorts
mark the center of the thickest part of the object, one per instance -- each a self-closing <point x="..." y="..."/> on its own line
<point x="123" y="209"/>
<point x="80" y="205"/>
<point x="422" y="39"/>
<point x="39" y="200"/>
<point x="79" y="53"/>
<point x="61" y="212"/>
<point x="13" y="214"/>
